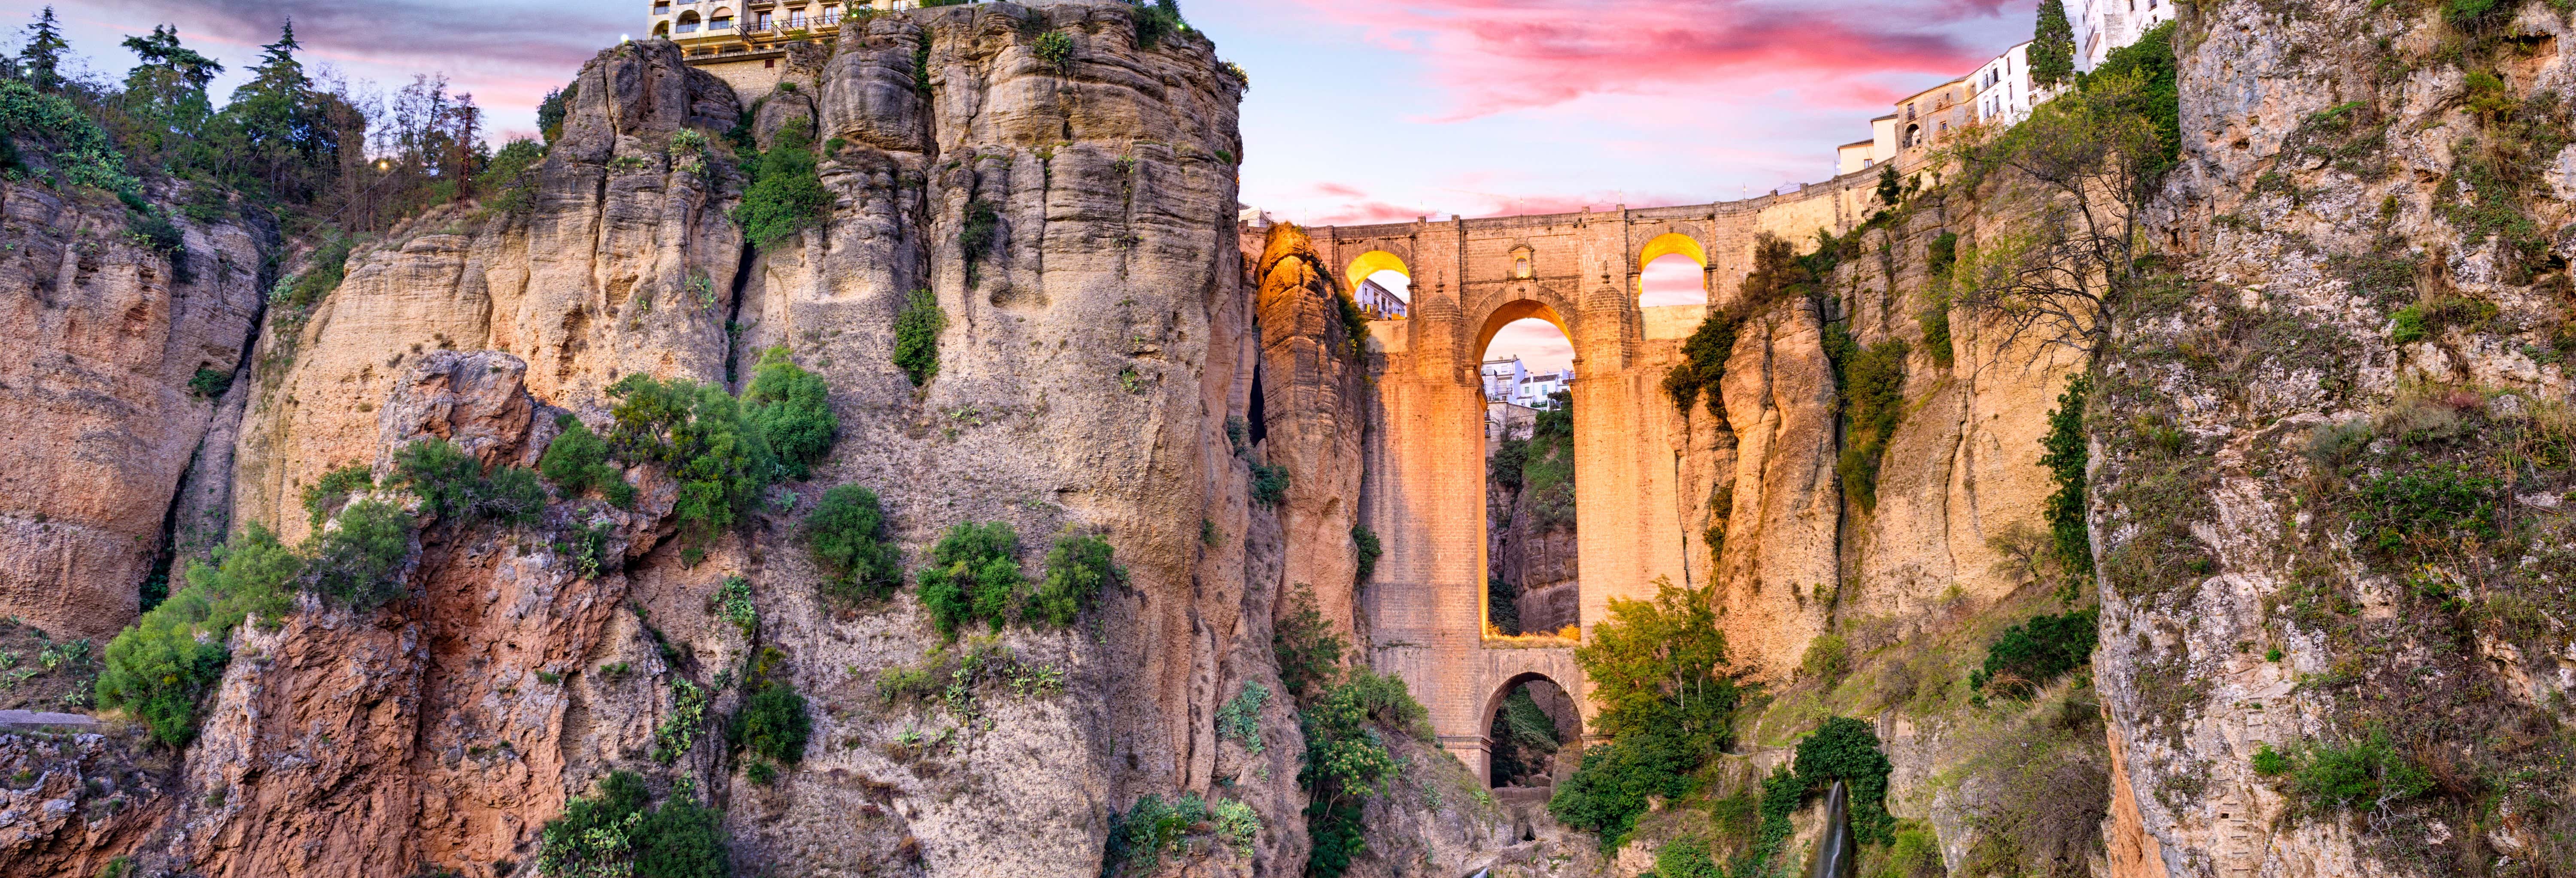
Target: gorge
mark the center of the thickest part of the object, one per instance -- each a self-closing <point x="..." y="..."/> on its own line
<point x="921" y="466"/>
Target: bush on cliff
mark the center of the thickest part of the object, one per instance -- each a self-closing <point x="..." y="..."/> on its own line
<point x="577" y="461"/>
<point x="1873" y="379"/>
<point x="916" y="336"/>
<point x="615" y="833"/>
<point x="2029" y="655"/>
<point x="846" y="533"/>
<point x="160" y="667"/>
<point x="793" y="408"/>
<point x="1077" y="569"/>
<point x="974" y="576"/>
<point x="773" y="724"/>
<point x="786" y="195"/>
<point x="455" y="486"/>
<point x="327" y="494"/>
<point x="721" y="459"/>
<point x="359" y="561"/>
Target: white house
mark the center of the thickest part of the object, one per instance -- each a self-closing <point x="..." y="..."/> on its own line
<point x="2103" y="26"/>
<point x="2004" y="94"/>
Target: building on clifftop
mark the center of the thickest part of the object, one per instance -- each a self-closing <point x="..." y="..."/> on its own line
<point x="2106" y="26"/>
<point x="750" y="44"/>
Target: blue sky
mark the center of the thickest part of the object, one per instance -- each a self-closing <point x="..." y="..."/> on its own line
<point x="1360" y="110"/>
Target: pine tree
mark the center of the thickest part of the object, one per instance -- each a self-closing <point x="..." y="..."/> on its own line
<point x="2052" y="46"/>
<point x="1889" y="190"/>
<point x="284" y="131"/>
<point x="41" y="62"/>
<point x="166" y="96"/>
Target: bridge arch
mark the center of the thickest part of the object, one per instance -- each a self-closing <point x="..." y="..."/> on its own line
<point x="1554" y="698"/>
<point x="1672" y="269"/>
<point x="1372" y="262"/>
<point x="1516" y="310"/>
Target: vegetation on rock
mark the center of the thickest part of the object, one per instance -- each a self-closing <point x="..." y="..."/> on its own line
<point x="1076" y="570"/>
<point x="615" y="832"/>
<point x="161" y="666"/>
<point x="974" y="576"/>
<point x="577" y="462"/>
<point x="846" y="533"/>
<point x="793" y="409"/>
<point x="786" y="195"/>
<point x="1666" y="698"/>
<point x="916" y="336"/>
<point x="720" y="457"/>
<point x="454" y="486"/>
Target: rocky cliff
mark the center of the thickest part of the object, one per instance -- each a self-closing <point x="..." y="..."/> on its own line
<point x="121" y="357"/>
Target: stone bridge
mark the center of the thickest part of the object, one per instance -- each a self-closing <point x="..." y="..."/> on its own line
<point x="1425" y="494"/>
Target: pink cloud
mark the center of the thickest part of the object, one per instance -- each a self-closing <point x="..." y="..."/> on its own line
<point x="1501" y="55"/>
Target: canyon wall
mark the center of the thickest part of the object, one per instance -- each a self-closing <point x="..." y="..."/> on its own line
<point x="99" y="418"/>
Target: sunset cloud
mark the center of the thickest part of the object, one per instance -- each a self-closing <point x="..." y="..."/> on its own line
<point x="1494" y="56"/>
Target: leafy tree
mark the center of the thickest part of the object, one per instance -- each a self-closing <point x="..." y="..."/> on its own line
<point x="1346" y="763"/>
<point x="1873" y="381"/>
<point x="1847" y="750"/>
<point x="846" y="533"/>
<point x="508" y="183"/>
<point x="1654" y="757"/>
<point x="1890" y="190"/>
<point x="974" y="576"/>
<point x="552" y="110"/>
<point x="2067" y="455"/>
<point x="793" y="409"/>
<point x="1077" y="568"/>
<point x="165" y="96"/>
<point x="160" y="667"/>
<point x="2052" y="47"/>
<point x="2158" y="95"/>
<point x="1667" y="651"/>
<point x="41" y="61"/>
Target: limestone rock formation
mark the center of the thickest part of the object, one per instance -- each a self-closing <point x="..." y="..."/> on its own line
<point x="98" y="416"/>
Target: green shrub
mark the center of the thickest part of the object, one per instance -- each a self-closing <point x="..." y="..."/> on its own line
<point x="793" y="408"/>
<point x="1307" y="647"/>
<point x="360" y="561"/>
<point x="846" y="533"/>
<point x="1935" y="323"/>
<point x="2158" y="97"/>
<point x="508" y="183"/>
<point x="2271" y="763"/>
<point x="323" y="272"/>
<point x="1369" y="550"/>
<point x="773" y="723"/>
<point x="159" y="667"/>
<point x="1666" y="698"/>
<point x="1686" y="857"/>
<point x="1827" y="657"/>
<point x="2029" y="655"/>
<point x="761" y="773"/>
<point x="1269" y="485"/>
<point x="722" y="461"/>
<point x="786" y="195"/>
<point x="916" y="336"/>
<point x="614" y="833"/>
<point x="977" y="235"/>
<point x="1054" y="49"/>
<point x="1610" y="789"/>
<point x="326" y="494"/>
<point x="974" y="576"/>
<point x="1346" y="763"/>
<point x="1942" y="254"/>
<point x="2364" y="775"/>
<point x="1916" y="853"/>
<point x="1160" y="19"/>
<point x="2066" y="455"/>
<point x="577" y="462"/>
<point x="1388" y="702"/>
<point x="1150" y="829"/>
<point x="1873" y="384"/>
<point x="2407" y="326"/>
<point x="1077" y="569"/>
<point x="210" y="382"/>
<point x="2429" y="508"/>
<point x="733" y="603"/>
<point x="453" y="485"/>
<point x="1240" y="719"/>
<point x="1237" y="825"/>
<point x="1847" y="749"/>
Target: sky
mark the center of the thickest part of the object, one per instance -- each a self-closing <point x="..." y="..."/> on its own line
<point x="1360" y="111"/>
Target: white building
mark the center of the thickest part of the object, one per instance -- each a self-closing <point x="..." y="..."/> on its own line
<point x="1509" y="381"/>
<point x="1862" y="155"/>
<point x="2103" y="26"/>
<point x="1378" y="302"/>
<point x="2004" y="93"/>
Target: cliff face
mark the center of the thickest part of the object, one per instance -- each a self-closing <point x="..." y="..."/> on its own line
<point x="1091" y="358"/>
<point x="2327" y="505"/>
<point x="98" y="416"/>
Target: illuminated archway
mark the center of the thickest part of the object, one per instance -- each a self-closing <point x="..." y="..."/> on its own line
<point x="1672" y="270"/>
<point x="662" y="30"/>
<point x="1559" y="730"/>
<point x="1372" y="262"/>
<point x="1525" y="386"/>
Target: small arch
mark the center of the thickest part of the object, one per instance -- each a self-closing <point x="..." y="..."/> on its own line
<point x="689" y="21"/>
<point x="1372" y="262"/>
<point x="1521" y="747"/>
<point x="1516" y="310"/>
<point x="1672" y="270"/>
<point x="1522" y="265"/>
<point x="662" y="30"/>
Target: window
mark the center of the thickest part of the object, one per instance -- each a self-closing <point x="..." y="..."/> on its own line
<point x="796" y="19"/>
<point x="689" y="22"/>
<point x="721" y="22"/>
<point x="759" y="22"/>
<point x="831" y="16"/>
<point x="661" y="9"/>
